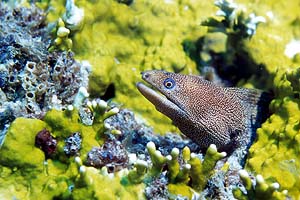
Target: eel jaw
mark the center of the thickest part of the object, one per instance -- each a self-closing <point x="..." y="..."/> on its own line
<point x="161" y="103"/>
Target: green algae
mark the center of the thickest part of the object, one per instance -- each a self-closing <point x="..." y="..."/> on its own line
<point x="23" y="170"/>
<point x="22" y="137"/>
<point x="94" y="185"/>
<point x="120" y="41"/>
<point x="180" y="189"/>
<point x="258" y="190"/>
<point x="275" y="153"/>
<point x="184" y="178"/>
<point x="25" y="174"/>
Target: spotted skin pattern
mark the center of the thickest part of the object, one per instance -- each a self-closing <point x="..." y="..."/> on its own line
<point x="205" y="112"/>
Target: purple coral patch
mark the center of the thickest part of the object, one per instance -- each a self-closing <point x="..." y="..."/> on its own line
<point x="111" y="154"/>
<point x="45" y="141"/>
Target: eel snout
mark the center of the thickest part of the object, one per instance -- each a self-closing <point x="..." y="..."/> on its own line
<point x="162" y="104"/>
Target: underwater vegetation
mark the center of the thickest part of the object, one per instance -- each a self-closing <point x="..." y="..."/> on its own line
<point x="43" y="165"/>
<point x="120" y="41"/>
<point x="258" y="189"/>
<point x="275" y="153"/>
<point x="62" y="174"/>
<point x="60" y="141"/>
<point x="32" y="79"/>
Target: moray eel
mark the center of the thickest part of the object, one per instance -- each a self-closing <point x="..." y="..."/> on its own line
<point x="205" y="112"/>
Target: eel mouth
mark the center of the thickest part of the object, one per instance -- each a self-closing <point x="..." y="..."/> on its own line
<point x="162" y="103"/>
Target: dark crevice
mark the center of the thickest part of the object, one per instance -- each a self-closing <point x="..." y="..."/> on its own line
<point x="232" y="66"/>
<point x="109" y="93"/>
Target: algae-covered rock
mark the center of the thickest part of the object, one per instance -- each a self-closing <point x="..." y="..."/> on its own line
<point x="93" y="184"/>
<point x="26" y="172"/>
<point x="23" y="168"/>
<point x="275" y="154"/>
<point x="19" y="150"/>
<point x="120" y="41"/>
<point x="122" y="38"/>
<point x="32" y="79"/>
<point x="181" y="189"/>
<point x="258" y="188"/>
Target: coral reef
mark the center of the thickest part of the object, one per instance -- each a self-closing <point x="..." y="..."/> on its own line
<point x="74" y="16"/>
<point x="92" y="184"/>
<point x="73" y="144"/>
<point x="243" y="45"/>
<point x="158" y="189"/>
<point x="275" y="153"/>
<point x="234" y="20"/>
<point x="111" y="154"/>
<point x="135" y="136"/>
<point x="188" y="169"/>
<point x="62" y="41"/>
<point x="258" y="190"/>
<point x="120" y="41"/>
<point x="53" y="175"/>
<point x="33" y="80"/>
<point x="71" y="21"/>
<point x="222" y="48"/>
<point x="97" y="146"/>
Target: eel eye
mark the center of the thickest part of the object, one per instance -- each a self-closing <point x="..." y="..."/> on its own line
<point x="169" y="83"/>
